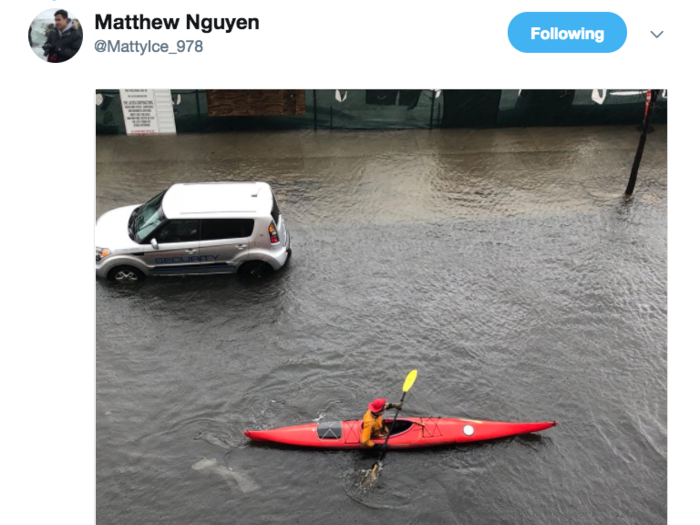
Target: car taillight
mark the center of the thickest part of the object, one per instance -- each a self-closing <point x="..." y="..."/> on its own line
<point x="274" y="239"/>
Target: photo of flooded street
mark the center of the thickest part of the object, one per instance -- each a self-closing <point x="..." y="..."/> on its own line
<point x="505" y="265"/>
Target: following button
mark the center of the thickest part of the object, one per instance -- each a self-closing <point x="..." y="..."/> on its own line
<point x="567" y="32"/>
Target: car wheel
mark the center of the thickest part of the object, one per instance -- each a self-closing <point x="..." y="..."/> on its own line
<point x="125" y="274"/>
<point x="254" y="269"/>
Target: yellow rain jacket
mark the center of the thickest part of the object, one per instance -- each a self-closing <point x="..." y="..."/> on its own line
<point x="372" y="428"/>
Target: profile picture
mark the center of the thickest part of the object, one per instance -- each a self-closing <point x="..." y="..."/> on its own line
<point x="55" y="35"/>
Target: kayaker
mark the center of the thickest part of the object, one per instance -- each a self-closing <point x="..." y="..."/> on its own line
<point x="373" y="426"/>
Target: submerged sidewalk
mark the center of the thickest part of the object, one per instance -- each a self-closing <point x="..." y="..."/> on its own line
<point x="393" y="174"/>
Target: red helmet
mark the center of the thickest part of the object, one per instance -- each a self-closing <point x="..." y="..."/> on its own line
<point x="377" y="405"/>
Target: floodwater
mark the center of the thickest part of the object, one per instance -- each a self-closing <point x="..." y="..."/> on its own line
<point x="504" y="265"/>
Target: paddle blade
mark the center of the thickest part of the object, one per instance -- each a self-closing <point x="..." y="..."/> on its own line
<point x="410" y="379"/>
<point x="373" y="474"/>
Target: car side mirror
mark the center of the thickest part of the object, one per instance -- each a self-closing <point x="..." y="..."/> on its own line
<point x="154" y="244"/>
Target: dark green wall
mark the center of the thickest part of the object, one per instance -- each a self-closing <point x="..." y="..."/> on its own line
<point x="402" y="109"/>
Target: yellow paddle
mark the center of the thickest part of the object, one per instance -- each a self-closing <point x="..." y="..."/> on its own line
<point x="407" y="384"/>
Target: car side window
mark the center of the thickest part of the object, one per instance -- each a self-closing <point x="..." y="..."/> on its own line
<point x="275" y="211"/>
<point x="178" y="231"/>
<point x="218" y="229"/>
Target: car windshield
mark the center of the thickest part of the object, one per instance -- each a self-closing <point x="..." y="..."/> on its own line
<point x="149" y="218"/>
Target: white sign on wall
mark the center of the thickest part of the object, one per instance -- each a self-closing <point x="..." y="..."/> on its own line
<point x="147" y="111"/>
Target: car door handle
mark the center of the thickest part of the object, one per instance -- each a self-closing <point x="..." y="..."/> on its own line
<point x="240" y="246"/>
<point x="192" y="250"/>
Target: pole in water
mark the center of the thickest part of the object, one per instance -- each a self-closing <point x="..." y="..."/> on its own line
<point x="432" y="106"/>
<point x="331" y="118"/>
<point x="648" y="110"/>
<point x="315" y="110"/>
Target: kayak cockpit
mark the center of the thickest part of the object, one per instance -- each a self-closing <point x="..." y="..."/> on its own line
<point x="401" y="426"/>
<point x="328" y="430"/>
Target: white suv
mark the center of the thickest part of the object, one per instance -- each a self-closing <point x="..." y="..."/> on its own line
<point x="190" y="229"/>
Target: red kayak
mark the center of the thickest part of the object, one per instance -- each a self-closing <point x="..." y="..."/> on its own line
<point x="408" y="432"/>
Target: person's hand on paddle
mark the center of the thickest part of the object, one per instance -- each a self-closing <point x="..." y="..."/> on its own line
<point x="407" y="384"/>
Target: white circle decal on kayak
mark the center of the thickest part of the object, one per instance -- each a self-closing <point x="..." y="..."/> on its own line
<point x="468" y="430"/>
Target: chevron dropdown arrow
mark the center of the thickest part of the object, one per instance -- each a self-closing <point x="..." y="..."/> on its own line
<point x="657" y="36"/>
